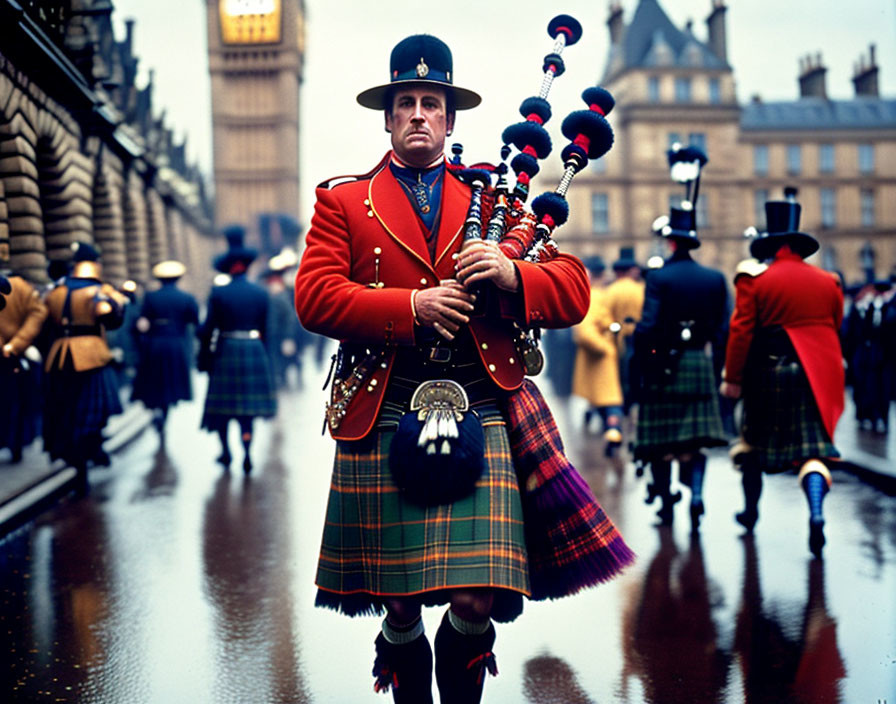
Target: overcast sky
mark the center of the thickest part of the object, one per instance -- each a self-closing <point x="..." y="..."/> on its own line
<point x="498" y="47"/>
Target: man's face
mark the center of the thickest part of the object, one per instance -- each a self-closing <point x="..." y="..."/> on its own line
<point x="419" y="123"/>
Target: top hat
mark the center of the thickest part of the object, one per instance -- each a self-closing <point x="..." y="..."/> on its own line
<point x="782" y="227"/>
<point x="170" y="269"/>
<point x="236" y="250"/>
<point x="595" y="264"/>
<point x="681" y="225"/>
<point x="420" y="59"/>
<point x="626" y="259"/>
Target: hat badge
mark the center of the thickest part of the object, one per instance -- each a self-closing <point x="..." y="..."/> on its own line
<point x="422" y="69"/>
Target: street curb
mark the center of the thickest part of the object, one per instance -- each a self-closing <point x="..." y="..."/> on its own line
<point x="34" y="499"/>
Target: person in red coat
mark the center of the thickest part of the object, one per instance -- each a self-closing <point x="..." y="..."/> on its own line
<point x="784" y="356"/>
<point x="384" y="272"/>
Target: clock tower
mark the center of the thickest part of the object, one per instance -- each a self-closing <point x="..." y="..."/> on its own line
<point x="256" y="52"/>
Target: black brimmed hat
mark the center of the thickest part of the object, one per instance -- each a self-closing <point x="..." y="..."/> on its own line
<point x="237" y="251"/>
<point x="626" y="259"/>
<point x="420" y="59"/>
<point x="782" y="227"/>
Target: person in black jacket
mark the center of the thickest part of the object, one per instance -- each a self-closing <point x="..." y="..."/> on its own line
<point x="685" y="309"/>
<point x="166" y="344"/>
<point x="241" y="385"/>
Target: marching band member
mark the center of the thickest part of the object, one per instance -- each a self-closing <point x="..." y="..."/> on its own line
<point x="784" y="358"/>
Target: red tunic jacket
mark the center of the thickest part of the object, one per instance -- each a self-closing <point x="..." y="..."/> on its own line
<point x="808" y="304"/>
<point x="366" y="232"/>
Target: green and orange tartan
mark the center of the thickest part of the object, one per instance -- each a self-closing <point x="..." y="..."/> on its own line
<point x="377" y="545"/>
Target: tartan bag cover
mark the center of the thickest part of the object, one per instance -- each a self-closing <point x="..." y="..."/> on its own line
<point x="571" y="542"/>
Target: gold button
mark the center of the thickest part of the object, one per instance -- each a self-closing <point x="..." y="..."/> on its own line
<point x="423" y="281"/>
<point x="370" y="213"/>
<point x="377" y="250"/>
<point x="373" y="382"/>
<point x="491" y="367"/>
<point x="367" y="201"/>
<point x="485" y="345"/>
<point x="370" y="388"/>
<point x="512" y="360"/>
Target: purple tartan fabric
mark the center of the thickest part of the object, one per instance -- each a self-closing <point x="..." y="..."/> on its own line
<point x="572" y="544"/>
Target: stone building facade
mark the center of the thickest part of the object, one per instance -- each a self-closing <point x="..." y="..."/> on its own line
<point x="83" y="157"/>
<point x="671" y="86"/>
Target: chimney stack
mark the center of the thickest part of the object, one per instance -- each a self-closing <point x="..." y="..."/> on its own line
<point x="865" y="76"/>
<point x="715" y="23"/>
<point x="614" y="22"/>
<point x="812" y="77"/>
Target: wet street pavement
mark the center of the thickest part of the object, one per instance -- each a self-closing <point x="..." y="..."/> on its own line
<point x="177" y="582"/>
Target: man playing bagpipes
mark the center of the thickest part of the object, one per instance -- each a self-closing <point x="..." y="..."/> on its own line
<point x="428" y="503"/>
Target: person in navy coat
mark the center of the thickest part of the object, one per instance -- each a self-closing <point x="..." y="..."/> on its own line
<point x="685" y="310"/>
<point x="241" y="385"/>
<point x="167" y="319"/>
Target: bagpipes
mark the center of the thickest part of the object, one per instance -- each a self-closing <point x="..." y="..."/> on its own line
<point x="527" y="234"/>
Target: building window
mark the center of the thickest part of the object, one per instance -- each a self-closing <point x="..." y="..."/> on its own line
<point x="866" y="158"/>
<point x="715" y="91"/>
<point x="794" y="159"/>
<point x="600" y="213"/>
<point x="683" y="90"/>
<point x="599" y="166"/>
<point x="653" y="89"/>
<point x="760" y="160"/>
<point x="672" y="139"/>
<point x="867" y="198"/>
<point x="759" y="197"/>
<point x="698" y="139"/>
<point x="702" y="212"/>
<point x="826" y="158"/>
<point x="828" y="208"/>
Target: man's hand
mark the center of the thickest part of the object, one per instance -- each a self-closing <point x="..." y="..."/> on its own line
<point x="444" y="307"/>
<point x="729" y="390"/>
<point x="484" y="261"/>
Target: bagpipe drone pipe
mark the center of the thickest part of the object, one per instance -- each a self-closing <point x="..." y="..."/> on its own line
<point x="520" y="231"/>
<point x="572" y="544"/>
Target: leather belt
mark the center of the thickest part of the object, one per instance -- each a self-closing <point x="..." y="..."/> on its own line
<point x="241" y="334"/>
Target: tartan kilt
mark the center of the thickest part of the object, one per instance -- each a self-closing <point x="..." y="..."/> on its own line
<point x="682" y="414"/>
<point x="78" y="405"/>
<point x="240" y="383"/>
<point x="163" y="371"/>
<point x="376" y="545"/>
<point x="781" y="419"/>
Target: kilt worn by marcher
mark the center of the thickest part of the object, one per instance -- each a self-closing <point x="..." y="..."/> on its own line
<point x="682" y="413"/>
<point x="377" y="544"/>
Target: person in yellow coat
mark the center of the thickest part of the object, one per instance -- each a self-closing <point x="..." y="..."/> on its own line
<point x="82" y="390"/>
<point x="596" y="371"/>
<point x="625" y="299"/>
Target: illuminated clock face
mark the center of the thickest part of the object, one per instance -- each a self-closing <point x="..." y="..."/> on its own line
<point x="250" y="21"/>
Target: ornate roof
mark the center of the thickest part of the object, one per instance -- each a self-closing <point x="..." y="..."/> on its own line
<point x="650" y="40"/>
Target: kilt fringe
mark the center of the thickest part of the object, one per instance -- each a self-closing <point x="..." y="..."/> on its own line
<point x="571" y="542"/>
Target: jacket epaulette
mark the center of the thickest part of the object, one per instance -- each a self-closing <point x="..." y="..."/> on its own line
<point x="331" y="183"/>
<point x="750" y="267"/>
